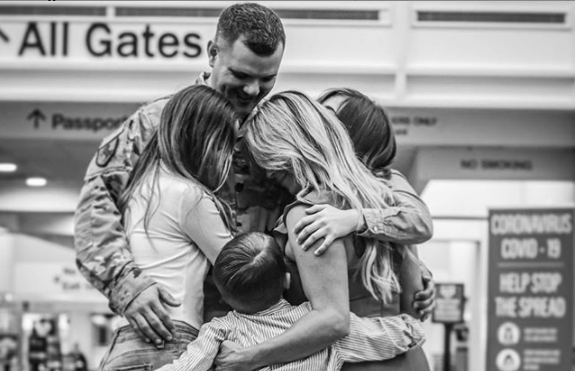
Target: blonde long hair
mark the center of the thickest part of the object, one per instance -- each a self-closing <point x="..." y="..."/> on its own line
<point x="291" y="132"/>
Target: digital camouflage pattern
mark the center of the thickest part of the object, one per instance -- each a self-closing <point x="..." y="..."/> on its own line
<point x="102" y="252"/>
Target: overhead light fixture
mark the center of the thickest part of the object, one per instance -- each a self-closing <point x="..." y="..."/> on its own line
<point x="7" y="167"/>
<point x="36" y="182"/>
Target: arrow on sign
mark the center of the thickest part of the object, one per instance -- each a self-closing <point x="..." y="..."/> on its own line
<point x="36" y="115"/>
<point x="3" y="36"/>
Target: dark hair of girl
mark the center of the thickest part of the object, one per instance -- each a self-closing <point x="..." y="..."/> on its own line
<point x="195" y="139"/>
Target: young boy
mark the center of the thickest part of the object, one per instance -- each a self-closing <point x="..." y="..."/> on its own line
<point x="251" y="275"/>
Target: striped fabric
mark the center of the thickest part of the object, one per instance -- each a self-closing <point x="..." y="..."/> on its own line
<point x="370" y="339"/>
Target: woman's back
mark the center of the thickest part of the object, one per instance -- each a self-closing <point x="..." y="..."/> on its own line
<point x="363" y="304"/>
<point x="361" y="301"/>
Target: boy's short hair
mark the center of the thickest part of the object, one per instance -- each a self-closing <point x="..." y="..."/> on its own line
<point x="260" y="26"/>
<point x="250" y="270"/>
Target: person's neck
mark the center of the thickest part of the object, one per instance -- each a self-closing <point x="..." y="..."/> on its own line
<point x="208" y="79"/>
<point x="254" y="309"/>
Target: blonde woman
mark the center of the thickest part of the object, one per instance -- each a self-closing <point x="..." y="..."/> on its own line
<point x="305" y="148"/>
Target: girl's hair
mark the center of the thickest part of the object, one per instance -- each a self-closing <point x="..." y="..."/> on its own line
<point x="368" y="126"/>
<point x="195" y="139"/>
<point x="291" y="132"/>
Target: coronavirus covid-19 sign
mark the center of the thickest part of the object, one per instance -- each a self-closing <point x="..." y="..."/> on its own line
<point x="530" y="290"/>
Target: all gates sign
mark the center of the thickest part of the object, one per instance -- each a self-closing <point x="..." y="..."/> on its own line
<point x="97" y="39"/>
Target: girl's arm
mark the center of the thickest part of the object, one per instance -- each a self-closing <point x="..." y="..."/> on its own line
<point x="408" y="222"/>
<point x="324" y="281"/>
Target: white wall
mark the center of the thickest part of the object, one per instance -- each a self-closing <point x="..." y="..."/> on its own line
<point x="7" y="252"/>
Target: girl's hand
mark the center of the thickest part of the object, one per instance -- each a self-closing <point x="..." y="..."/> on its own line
<point x="329" y="223"/>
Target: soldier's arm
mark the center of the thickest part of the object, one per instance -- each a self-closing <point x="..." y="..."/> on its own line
<point x="406" y="223"/>
<point x="102" y="252"/>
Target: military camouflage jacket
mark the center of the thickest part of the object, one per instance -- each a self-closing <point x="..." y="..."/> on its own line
<point x="102" y="252"/>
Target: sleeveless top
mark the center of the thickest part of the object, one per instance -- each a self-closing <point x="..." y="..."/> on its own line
<point x="361" y="302"/>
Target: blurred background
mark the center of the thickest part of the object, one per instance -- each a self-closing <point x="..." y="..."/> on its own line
<point x="481" y="96"/>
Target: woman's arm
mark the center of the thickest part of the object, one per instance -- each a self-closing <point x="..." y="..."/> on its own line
<point x="407" y="222"/>
<point x="324" y="281"/>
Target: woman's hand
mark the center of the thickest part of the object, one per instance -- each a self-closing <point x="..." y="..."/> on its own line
<point x="233" y="357"/>
<point x="327" y="222"/>
<point x="425" y="300"/>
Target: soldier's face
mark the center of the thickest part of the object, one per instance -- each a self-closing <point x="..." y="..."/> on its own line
<point x="241" y="75"/>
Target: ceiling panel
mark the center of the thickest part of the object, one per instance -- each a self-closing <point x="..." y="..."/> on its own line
<point x="62" y="161"/>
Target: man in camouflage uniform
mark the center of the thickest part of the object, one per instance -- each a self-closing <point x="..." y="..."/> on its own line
<point x="245" y="73"/>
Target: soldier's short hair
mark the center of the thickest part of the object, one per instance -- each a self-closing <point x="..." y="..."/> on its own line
<point x="260" y="27"/>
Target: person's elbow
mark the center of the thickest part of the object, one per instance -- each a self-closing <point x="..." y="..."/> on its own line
<point x="426" y="228"/>
<point x="338" y="324"/>
<point x="422" y="229"/>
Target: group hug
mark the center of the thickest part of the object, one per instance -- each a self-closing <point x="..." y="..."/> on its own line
<point x="234" y="229"/>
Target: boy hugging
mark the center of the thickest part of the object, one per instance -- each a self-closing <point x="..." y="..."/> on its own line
<point x="251" y="275"/>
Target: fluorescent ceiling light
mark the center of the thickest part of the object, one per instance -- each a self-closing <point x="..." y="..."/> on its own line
<point x="6" y="167"/>
<point x="36" y="182"/>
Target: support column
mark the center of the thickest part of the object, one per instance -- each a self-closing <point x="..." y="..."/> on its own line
<point x="8" y="223"/>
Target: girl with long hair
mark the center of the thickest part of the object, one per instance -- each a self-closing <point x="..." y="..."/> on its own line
<point x="368" y="125"/>
<point x="175" y="223"/>
<point x="373" y="139"/>
<point x="312" y="156"/>
<point x="372" y="135"/>
<point x="305" y="148"/>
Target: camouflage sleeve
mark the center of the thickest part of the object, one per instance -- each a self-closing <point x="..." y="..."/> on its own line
<point x="102" y="252"/>
<point x="407" y="223"/>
